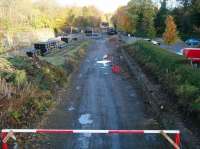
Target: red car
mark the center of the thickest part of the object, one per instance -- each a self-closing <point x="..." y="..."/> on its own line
<point x="193" y="54"/>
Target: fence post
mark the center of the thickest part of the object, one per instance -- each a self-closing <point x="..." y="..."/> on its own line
<point x="177" y="139"/>
<point x="4" y="145"/>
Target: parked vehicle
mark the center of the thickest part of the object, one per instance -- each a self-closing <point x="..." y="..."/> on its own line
<point x="41" y="48"/>
<point x="31" y="53"/>
<point x="111" y="31"/>
<point x="147" y="39"/>
<point x="131" y="35"/>
<point x="104" y="27"/>
<point x="192" y="54"/>
<point x="65" y="39"/>
<point x="192" y="42"/>
<point x="152" y="41"/>
<point x="52" y="43"/>
<point x="155" y="42"/>
<point x="88" y="32"/>
<point x="96" y="36"/>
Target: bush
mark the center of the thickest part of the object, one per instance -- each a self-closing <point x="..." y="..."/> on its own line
<point x="172" y="71"/>
<point x="1" y="49"/>
<point x="70" y="64"/>
<point x="81" y="52"/>
<point x="20" y="78"/>
<point x="6" y="89"/>
<point x="196" y="105"/>
<point x="187" y="92"/>
<point x="16" y="115"/>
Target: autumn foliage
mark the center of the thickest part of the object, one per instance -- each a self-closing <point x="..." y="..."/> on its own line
<point x="123" y="20"/>
<point x="170" y="34"/>
<point x="137" y="17"/>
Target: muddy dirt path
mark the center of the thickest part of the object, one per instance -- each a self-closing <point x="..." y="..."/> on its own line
<point x="99" y="99"/>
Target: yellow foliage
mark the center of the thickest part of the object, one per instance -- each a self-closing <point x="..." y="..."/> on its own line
<point x="123" y="20"/>
<point x="170" y="34"/>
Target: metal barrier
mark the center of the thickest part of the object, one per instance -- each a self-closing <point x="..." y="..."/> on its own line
<point x="9" y="133"/>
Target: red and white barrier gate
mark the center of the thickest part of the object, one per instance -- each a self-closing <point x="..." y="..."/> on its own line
<point x="9" y="133"/>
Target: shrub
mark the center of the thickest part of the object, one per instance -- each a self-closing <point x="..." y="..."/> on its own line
<point x="70" y="64"/>
<point x="15" y="115"/>
<point x="196" y="105"/>
<point x="20" y="62"/>
<point x="20" y="78"/>
<point x="6" y="89"/>
<point x="1" y="49"/>
<point x="187" y="93"/>
<point x="81" y="52"/>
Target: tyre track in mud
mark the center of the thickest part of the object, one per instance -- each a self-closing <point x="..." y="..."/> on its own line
<point x="99" y="99"/>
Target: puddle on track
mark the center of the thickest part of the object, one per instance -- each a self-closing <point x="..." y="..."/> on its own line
<point x="103" y="67"/>
<point x="80" y="75"/>
<point x="132" y="95"/>
<point x="85" y="119"/>
<point x="78" y="88"/>
<point x="104" y="62"/>
<point x="71" y="108"/>
<point x="84" y="139"/>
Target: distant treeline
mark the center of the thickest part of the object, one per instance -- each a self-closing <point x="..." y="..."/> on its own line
<point x="144" y="18"/>
<point x="26" y="15"/>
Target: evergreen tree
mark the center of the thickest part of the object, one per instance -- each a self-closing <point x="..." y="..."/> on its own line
<point x="161" y="17"/>
<point x="144" y="12"/>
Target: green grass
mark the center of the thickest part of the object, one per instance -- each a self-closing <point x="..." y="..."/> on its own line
<point x="20" y="77"/>
<point x="55" y="60"/>
<point x="172" y="71"/>
<point x="59" y="56"/>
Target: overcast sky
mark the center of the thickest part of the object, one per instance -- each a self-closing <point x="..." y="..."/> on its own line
<point x="104" y="5"/>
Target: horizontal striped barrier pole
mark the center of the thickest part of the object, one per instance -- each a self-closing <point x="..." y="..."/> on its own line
<point x="68" y="131"/>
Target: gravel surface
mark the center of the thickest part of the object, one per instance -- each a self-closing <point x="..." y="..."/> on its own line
<point x="99" y="99"/>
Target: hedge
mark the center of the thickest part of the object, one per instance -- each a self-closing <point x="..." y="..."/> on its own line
<point x="172" y="71"/>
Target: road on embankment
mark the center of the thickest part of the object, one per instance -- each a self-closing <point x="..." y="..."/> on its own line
<point x="99" y="99"/>
<point x="174" y="48"/>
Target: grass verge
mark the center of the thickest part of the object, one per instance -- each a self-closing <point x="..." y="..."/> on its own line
<point x="28" y="87"/>
<point x="172" y="71"/>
